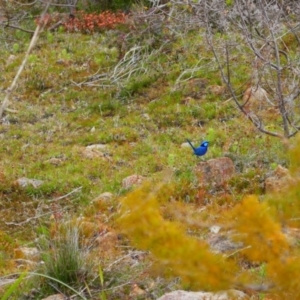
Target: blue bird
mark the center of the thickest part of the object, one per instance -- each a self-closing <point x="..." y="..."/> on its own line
<point x="201" y="150"/>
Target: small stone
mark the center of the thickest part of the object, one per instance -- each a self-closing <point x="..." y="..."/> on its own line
<point x="95" y="151"/>
<point x="215" y="228"/>
<point x="54" y="161"/>
<point x="92" y="153"/>
<point x="97" y="146"/>
<point x="132" y="180"/>
<point x="24" y="182"/>
<point x="102" y="200"/>
<point x="26" y="257"/>
<point x="26" y="252"/>
<point x="223" y="295"/>
<point x="104" y="196"/>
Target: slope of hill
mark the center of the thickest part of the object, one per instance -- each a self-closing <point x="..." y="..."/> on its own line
<point x="100" y="194"/>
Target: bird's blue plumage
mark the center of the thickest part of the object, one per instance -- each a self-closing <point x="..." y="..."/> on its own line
<point x="201" y="150"/>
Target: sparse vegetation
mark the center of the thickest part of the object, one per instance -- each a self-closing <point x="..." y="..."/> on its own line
<point x="103" y="96"/>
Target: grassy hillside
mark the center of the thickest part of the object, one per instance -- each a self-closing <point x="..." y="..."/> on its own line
<point x="137" y="92"/>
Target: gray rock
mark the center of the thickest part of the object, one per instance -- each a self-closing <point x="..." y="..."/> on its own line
<point x="215" y="172"/>
<point x="24" y="182"/>
<point x="223" y="295"/>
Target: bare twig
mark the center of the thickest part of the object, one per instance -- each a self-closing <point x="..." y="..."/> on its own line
<point x="19" y="28"/>
<point x="188" y="74"/>
<point x="67" y="195"/>
<point x="237" y="251"/>
<point x="28" y="219"/>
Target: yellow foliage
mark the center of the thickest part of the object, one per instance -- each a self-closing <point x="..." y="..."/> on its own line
<point x="287" y="203"/>
<point x="259" y="230"/>
<point x="294" y="154"/>
<point x="285" y="275"/>
<point x="175" y="252"/>
<point x="7" y="248"/>
<point x="259" y="225"/>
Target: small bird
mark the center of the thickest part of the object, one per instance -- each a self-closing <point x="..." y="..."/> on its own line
<point x="201" y="150"/>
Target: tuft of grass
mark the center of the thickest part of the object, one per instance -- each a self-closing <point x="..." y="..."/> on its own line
<point x="66" y="259"/>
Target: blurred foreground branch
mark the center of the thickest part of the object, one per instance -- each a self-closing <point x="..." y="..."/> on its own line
<point x="33" y="41"/>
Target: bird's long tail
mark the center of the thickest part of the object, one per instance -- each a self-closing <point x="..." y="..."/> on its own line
<point x="190" y="144"/>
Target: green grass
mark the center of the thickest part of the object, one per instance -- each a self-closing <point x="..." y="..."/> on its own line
<point x="66" y="259"/>
<point x="142" y="121"/>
